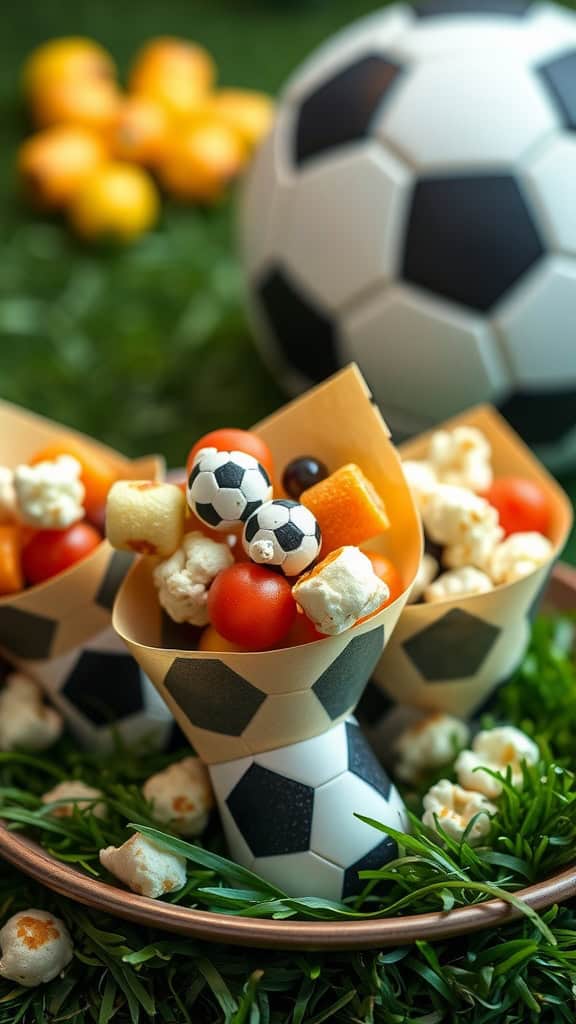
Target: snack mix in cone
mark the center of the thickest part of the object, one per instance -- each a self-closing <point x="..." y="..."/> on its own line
<point x="59" y="577"/>
<point x="261" y="636"/>
<point x="495" y="522"/>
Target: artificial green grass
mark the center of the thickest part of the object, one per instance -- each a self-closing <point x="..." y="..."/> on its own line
<point x="524" y="972"/>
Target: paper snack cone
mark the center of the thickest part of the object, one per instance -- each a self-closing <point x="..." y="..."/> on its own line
<point x="236" y="704"/>
<point x="451" y="655"/>
<point x="48" y="625"/>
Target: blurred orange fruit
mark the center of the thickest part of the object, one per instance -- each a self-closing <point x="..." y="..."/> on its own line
<point x="247" y="112"/>
<point x="117" y="201"/>
<point x="201" y="159"/>
<point x="174" y="72"/>
<point x="65" y="59"/>
<point x="139" y="130"/>
<point x="89" y="103"/>
<point x="55" y="162"/>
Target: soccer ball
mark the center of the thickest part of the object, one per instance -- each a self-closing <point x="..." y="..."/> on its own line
<point x="413" y="209"/>
<point x="225" y="488"/>
<point x="283" y="533"/>
<point x="102" y="694"/>
<point x="289" y="813"/>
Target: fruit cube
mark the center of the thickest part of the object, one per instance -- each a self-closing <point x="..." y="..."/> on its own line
<point x="11" y="578"/>
<point x="145" y="517"/>
<point x="347" y="507"/>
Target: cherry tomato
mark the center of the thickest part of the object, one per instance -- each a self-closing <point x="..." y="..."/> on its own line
<point x="52" y="551"/>
<point x="97" y="474"/>
<point x="522" y="505"/>
<point x="388" y="572"/>
<point x="302" y="631"/>
<point x="251" y="606"/>
<point x="229" y="439"/>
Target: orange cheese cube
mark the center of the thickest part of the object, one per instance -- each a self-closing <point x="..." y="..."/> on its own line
<point x="11" y="577"/>
<point x="347" y="507"/>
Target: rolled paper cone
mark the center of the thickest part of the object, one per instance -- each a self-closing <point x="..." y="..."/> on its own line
<point x="451" y="655"/>
<point x="289" y="814"/>
<point x="236" y="704"/>
<point x="104" y="696"/>
<point x="46" y="626"/>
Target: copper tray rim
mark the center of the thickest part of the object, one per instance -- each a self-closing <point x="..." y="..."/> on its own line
<point x="382" y="932"/>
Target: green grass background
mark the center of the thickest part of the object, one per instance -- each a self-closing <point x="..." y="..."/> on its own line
<point x="145" y="347"/>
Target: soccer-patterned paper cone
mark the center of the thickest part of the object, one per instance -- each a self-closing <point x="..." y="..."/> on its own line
<point x="51" y="624"/>
<point x="236" y="704"/>
<point x="450" y="655"/>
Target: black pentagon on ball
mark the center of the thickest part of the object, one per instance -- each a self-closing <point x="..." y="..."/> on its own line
<point x="452" y="648"/>
<point x="363" y="762"/>
<point x="26" y="634"/>
<point x="212" y="696"/>
<point x="559" y="77"/>
<point x="541" y="417"/>
<point x="229" y="475"/>
<point x="438" y="8"/>
<point x="273" y="812"/>
<point x="340" y="110"/>
<point x="250" y="509"/>
<point x="207" y="513"/>
<point x="469" y="238"/>
<point x="252" y="527"/>
<point x="105" y="687"/>
<point x="195" y="472"/>
<point x="289" y="537"/>
<point x="340" y="685"/>
<point x="306" y="336"/>
<point x="375" y="859"/>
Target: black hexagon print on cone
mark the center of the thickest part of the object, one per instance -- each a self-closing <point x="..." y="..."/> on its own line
<point x="59" y="631"/>
<point x="271" y="724"/>
<point x="451" y="655"/>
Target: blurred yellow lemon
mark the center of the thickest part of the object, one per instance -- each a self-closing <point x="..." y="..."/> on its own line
<point x="55" y="162"/>
<point x="249" y="113"/>
<point x="174" y="72"/>
<point x="139" y="130"/>
<point x="117" y="201"/>
<point x="65" y="59"/>
<point x="90" y="103"/>
<point x="201" y="160"/>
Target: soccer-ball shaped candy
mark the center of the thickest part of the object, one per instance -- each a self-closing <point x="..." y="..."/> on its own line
<point x="226" y="488"/>
<point x="283" y="533"/>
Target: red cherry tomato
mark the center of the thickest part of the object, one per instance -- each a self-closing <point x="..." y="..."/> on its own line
<point x="302" y="631"/>
<point x="52" y="551"/>
<point x="229" y="439"/>
<point x="251" y="606"/>
<point x="388" y="572"/>
<point x="522" y="505"/>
